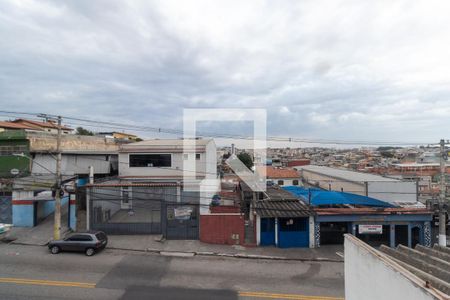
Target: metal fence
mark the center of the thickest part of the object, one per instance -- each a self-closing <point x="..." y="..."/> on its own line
<point x="144" y="210"/>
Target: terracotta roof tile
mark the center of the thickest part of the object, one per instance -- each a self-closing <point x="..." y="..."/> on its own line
<point x="11" y="125"/>
<point x="272" y="172"/>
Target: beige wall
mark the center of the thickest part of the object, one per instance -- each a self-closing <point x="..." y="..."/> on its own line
<point x="336" y="184"/>
<point x="47" y="142"/>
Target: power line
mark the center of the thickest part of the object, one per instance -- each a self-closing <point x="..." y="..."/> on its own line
<point x="227" y="136"/>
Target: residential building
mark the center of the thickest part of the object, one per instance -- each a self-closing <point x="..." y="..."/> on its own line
<point x="279" y="175"/>
<point x="376" y="222"/>
<point x="26" y="152"/>
<point x="30" y="156"/>
<point x="283" y="220"/>
<point x="119" y="135"/>
<point x="6" y="125"/>
<point x="163" y="187"/>
<point x="298" y="162"/>
<point x="47" y="126"/>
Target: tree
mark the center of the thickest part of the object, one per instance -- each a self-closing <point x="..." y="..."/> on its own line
<point x="246" y="159"/>
<point x="82" y="131"/>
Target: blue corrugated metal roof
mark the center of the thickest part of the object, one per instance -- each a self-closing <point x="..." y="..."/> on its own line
<point x="321" y="197"/>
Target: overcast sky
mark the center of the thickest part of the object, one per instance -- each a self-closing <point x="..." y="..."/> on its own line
<point x="352" y="70"/>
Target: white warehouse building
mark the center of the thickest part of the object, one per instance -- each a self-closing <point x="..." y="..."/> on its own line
<point x="379" y="187"/>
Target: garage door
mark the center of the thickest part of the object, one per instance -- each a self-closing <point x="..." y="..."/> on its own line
<point x="293" y="232"/>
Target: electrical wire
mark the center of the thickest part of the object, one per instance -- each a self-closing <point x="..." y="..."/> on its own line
<point x="219" y="135"/>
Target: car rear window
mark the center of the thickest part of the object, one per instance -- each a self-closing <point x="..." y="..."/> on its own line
<point x="80" y="238"/>
<point x="101" y="236"/>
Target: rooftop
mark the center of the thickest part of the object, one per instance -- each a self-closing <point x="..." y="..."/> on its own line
<point x="273" y="172"/>
<point x="281" y="204"/>
<point x="429" y="264"/>
<point x="319" y="197"/>
<point x="164" y="143"/>
<point x="40" y="124"/>
<point x="11" y="125"/>
<point x="346" y="174"/>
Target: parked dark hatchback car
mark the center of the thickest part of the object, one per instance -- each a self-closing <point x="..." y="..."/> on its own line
<point x="89" y="243"/>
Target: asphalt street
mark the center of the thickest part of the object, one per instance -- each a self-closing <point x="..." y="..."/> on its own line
<point x="31" y="272"/>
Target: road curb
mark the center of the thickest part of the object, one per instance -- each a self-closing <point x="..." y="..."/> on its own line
<point x="188" y="254"/>
<point x="236" y="255"/>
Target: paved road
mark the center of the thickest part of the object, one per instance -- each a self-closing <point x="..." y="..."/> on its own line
<point x="31" y="272"/>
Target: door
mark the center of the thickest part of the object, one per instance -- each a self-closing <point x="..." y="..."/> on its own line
<point x="415" y="236"/>
<point x="126" y="201"/>
<point x="267" y="232"/>
<point x="182" y="222"/>
<point x="5" y="209"/>
<point x="401" y="235"/>
<point x="293" y="232"/>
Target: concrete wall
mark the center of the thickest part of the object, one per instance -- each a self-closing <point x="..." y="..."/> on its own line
<point x="22" y="209"/>
<point x="369" y="275"/>
<point x="402" y="191"/>
<point x="389" y="191"/>
<point x="42" y="142"/>
<point x="220" y="229"/>
<point x="325" y="182"/>
<point x="71" y="164"/>
<point x="45" y="208"/>
<point x="23" y="215"/>
<point x="286" y="181"/>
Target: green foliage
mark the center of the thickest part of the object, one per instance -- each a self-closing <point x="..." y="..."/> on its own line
<point x="82" y="131"/>
<point x="387" y="154"/>
<point x="246" y="159"/>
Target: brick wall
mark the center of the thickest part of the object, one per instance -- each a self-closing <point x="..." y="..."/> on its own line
<point x="224" y="209"/>
<point x="219" y="229"/>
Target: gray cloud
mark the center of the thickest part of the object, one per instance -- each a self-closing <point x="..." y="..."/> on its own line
<point x="342" y="70"/>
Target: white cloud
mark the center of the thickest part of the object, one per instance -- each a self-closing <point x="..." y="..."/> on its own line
<point x="357" y="69"/>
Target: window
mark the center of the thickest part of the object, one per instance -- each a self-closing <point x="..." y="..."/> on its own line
<point x="150" y="160"/>
<point x="125" y="195"/>
<point x="79" y="238"/>
<point x="101" y="236"/>
<point x="295" y="182"/>
<point x="185" y="156"/>
<point x="280" y="182"/>
<point x="12" y="149"/>
<point x="197" y="156"/>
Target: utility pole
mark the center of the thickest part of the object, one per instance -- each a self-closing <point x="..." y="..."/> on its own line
<point x="57" y="223"/>
<point x="442" y="199"/>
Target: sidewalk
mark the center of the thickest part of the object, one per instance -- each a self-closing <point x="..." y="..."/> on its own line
<point x="43" y="233"/>
<point x="39" y="235"/>
<point x="150" y="243"/>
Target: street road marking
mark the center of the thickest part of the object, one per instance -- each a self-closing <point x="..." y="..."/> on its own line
<point x="285" y="296"/>
<point x="47" y="282"/>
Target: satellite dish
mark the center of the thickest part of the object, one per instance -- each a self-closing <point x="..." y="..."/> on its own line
<point x="14" y="172"/>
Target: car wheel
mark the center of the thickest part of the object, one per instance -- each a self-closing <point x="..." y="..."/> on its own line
<point x="90" y="251"/>
<point x="55" y="250"/>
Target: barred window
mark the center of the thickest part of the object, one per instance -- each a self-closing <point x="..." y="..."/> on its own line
<point x="12" y="149"/>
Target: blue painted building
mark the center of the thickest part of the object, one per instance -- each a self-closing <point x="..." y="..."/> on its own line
<point x="32" y="201"/>
<point x="375" y="222"/>
<point x="282" y="220"/>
